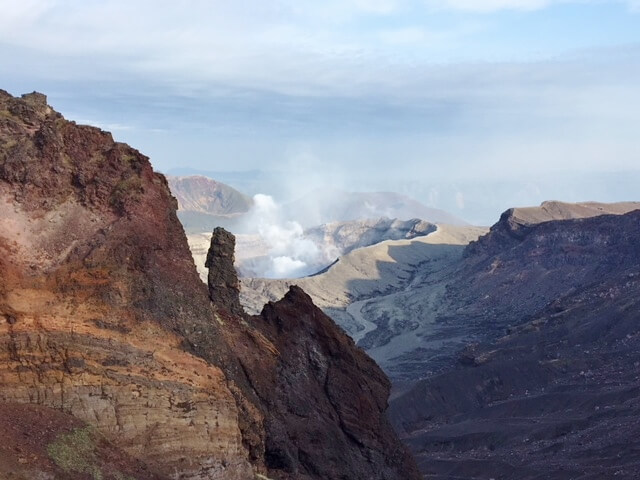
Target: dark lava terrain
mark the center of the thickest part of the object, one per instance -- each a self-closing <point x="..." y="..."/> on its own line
<point x="552" y="388"/>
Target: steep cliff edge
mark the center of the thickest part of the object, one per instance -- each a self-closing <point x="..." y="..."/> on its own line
<point x="102" y="311"/>
<point x="103" y="316"/>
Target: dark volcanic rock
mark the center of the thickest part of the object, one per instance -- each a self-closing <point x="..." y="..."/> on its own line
<point x="558" y="396"/>
<point x="326" y="401"/>
<point x="516" y="223"/>
<point x="224" y="286"/>
<point x="518" y="268"/>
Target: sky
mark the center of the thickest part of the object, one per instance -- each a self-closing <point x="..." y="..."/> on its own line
<point x="473" y="106"/>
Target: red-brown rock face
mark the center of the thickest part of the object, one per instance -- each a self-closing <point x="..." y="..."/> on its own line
<point x="102" y="316"/>
<point x="326" y="399"/>
<point x="100" y="302"/>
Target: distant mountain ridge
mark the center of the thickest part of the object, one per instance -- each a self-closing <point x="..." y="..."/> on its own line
<point x="323" y="206"/>
<point x="200" y="196"/>
<point x="555" y="210"/>
<point x="197" y="193"/>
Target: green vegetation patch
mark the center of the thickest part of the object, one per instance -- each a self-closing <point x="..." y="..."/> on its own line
<point x="120" y="476"/>
<point x="75" y="452"/>
<point x="131" y="188"/>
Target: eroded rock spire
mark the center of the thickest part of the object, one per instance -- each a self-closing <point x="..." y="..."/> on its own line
<point x="224" y="286"/>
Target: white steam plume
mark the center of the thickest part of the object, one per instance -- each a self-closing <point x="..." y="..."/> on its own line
<point x="289" y="253"/>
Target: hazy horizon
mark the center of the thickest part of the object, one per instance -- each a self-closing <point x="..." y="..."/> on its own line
<point x="485" y="201"/>
<point x="468" y="106"/>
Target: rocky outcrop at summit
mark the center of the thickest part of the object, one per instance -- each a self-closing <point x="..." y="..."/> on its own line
<point x="516" y="223"/>
<point x="103" y="318"/>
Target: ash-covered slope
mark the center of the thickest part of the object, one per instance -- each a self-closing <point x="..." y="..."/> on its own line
<point x="325" y="243"/>
<point x="104" y="318"/>
<point x="366" y="273"/>
<point x="553" y="391"/>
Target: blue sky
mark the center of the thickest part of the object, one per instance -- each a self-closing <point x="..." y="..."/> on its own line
<point x="469" y="105"/>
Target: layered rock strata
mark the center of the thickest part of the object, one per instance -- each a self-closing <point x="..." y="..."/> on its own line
<point x="103" y="317"/>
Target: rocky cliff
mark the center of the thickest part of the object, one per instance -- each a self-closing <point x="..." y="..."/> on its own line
<point x="104" y="319"/>
<point x="43" y="443"/>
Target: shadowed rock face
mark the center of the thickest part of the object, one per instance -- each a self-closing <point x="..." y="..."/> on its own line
<point x="224" y="286"/>
<point x="326" y="400"/>
<point x="553" y="391"/>
<point x="103" y="317"/>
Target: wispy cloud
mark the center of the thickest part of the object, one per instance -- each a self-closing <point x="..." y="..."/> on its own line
<point x="389" y="89"/>
<point x="486" y="6"/>
<point x="336" y="47"/>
